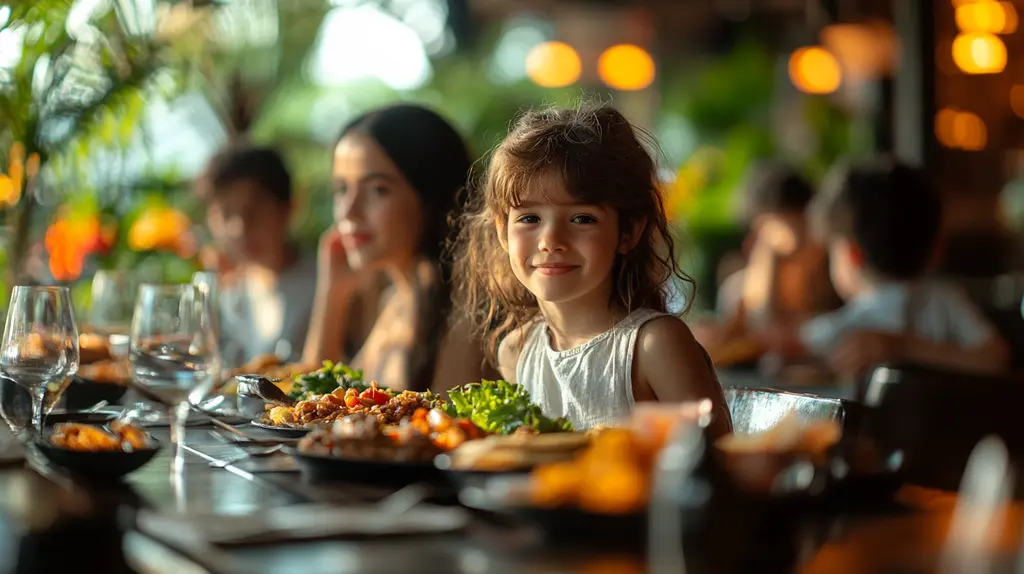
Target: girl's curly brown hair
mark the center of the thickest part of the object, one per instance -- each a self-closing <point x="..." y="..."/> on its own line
<point x="600" y="159"/>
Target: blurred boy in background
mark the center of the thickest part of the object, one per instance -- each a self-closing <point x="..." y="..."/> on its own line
<point x="784" y="280"/>
<point x="266" y="288"/>
<point x="882" y="223"/>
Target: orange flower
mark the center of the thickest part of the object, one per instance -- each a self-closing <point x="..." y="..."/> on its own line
<point x="69" y="240"/>
<point x="160" y="228"/>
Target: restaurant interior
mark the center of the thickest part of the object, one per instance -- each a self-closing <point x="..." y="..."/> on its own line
<point x="553" y="286"/>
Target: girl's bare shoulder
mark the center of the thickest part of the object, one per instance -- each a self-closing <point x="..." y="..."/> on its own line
<point x="510" y="347"/>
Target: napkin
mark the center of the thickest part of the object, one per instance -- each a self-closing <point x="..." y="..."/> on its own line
<point x="303" y="522"/>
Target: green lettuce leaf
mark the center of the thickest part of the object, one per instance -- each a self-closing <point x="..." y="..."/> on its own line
<point x="500" y="407"/>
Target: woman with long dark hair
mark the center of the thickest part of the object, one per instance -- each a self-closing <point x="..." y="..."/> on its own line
<point x="397" y="172"/>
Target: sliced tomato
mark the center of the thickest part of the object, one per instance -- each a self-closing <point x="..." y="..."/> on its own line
<point x="378" y="396"/>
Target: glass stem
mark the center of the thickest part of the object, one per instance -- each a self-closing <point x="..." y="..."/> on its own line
<point x="178" y="418"/>
<point x="38" y="406"/>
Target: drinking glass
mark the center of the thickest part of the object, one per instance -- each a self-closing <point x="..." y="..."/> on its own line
<point x="173" y="351"/>
<point x="112" y="302"/>
<point x="40" y="345"/>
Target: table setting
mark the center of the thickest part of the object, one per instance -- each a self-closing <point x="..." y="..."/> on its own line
<point x="320" y="459"/>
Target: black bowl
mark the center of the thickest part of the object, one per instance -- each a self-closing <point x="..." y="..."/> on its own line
<point x="99" y="466"/>
<point x="80" y="417"/>
<point x="83" y="393"/>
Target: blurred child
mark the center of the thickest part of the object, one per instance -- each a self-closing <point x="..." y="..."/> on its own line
<point x="881" y="221"/>
<point x="265" y="309"/>
<point x="784" y="278"/>
<point x="567" y="248"/>
<point x="785" y="271"/>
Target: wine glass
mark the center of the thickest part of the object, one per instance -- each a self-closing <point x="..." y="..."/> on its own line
<point x="40" y="345"/>
<point x="112" y="302"/>
<point x="173" y="351"/>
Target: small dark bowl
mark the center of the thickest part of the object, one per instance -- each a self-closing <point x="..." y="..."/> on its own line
<point x="81" y="417"/>
<point x="100" y="466"/>
<point x="83" y="393"/>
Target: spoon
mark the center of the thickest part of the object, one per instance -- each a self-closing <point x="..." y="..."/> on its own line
<point x="260" y="387"/>
<point x="96" y="408"/>
<point x="251" y="454"/>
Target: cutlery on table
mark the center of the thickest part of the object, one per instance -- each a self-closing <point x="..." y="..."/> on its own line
<point x="251" y="454"/>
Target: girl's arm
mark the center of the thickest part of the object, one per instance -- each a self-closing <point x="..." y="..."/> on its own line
<point x="670" y="366"/>
<point x="991" y="357"/>
<point x="863" y="350"/>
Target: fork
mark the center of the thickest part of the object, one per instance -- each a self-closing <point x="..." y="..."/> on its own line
<point x="251" y="454"/>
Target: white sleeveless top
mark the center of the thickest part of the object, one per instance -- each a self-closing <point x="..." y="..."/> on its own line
<point x="590" y="384"/>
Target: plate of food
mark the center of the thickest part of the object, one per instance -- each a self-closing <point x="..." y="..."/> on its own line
<point x="600" y="492"/>
<point x="105" y="380"/>
<point x="358" y="448"/>
<point x="99" y="453"/>
<point x="811" y="459"/>
<point x="477" y="461"/>
<point x="93" y="347"/>
<point x="387" y="407"/>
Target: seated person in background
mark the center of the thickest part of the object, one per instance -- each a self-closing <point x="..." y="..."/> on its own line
<point x="265" y="307"/>
<point x="881" y="221"/>
<point x="784" y="281"/>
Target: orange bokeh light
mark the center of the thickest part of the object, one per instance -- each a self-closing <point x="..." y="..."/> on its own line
<point x="987" y="16"/>
<point x="70" y="239"/>
<point x="957" y="129"/>
<point x="553" y="65"/>
<point x="626" y="67"/>
<point x="160" y="228"/>
<point x="1017" y="100"/>
<point x="814" y="70"/>
<point x="979" y="53"/>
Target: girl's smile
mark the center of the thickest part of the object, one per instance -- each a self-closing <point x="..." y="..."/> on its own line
<point x="554" y="269"/>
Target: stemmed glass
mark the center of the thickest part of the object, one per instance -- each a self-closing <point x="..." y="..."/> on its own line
<point x="173" y="351"/>
<point x="112" y="305"/>
<point x="111" y="311"/>
<point x="40" y="345"/>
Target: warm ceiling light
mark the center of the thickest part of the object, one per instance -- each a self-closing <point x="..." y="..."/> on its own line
<point x="969" y="132"/>
<point x="626" y="67"/>
<point x="864" y="50"/>
<point x="989" y="16"/>
<point x="1017" y="100"/>
<point x="957" y="129"/>
<point x="815" y="70"/>
<point x="944" y="121"/>
<point x="553" y="65"/>
<point x="979" y="53"/>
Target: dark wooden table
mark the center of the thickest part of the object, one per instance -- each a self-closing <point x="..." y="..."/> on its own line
<point x="31" y="502"/>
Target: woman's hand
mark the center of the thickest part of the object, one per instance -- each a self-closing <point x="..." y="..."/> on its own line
<point x="333" y="270"/>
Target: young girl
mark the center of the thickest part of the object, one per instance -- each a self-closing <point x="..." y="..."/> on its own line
<point x="565" y="257"/>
